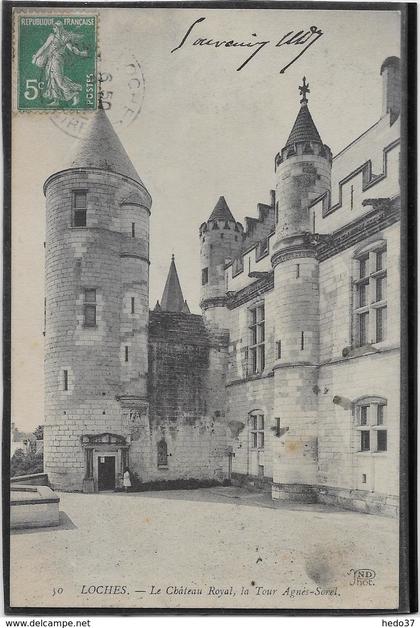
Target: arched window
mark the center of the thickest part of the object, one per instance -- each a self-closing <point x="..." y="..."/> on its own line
<point x="162" y="453"/>
<point x="371" y="424"/>
<point x="370" y="305"/>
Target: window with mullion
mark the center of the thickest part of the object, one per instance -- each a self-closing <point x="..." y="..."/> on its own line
<point x="89" y="307"/>
<point x="79" y="208"/>
<point x="373" y="435"/>
<point x="257" y="339"/>
<point x="257" y="431"/>
<point x="370" y="298"/>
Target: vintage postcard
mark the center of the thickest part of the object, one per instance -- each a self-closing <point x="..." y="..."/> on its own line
<point x="207" y="305"/>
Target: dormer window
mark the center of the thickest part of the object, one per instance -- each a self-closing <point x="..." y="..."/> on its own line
<point x="79" y="208"/>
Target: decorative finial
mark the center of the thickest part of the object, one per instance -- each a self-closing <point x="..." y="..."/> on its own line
<point x="304" y="89"/>
<point x="173" y="257"/>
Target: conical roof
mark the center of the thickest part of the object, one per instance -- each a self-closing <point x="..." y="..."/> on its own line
<point x="221" y="211"/>
<point x="304" y="129"/>
<point x="100" y="147"/>
<point x="172" y="299"/>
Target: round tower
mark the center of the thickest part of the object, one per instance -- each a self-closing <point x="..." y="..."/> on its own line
<point x="303" y="173"/>
<point x="97" y="305"/>
<point x="220" y="240"/>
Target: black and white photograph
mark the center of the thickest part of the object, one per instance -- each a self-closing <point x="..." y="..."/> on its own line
<point x="208" y="400"/>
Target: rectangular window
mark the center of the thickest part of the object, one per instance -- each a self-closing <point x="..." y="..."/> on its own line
<point x="364" y="415"/>
<point x="79" y="208"/>
<point x="204" y="276"/>
<point x="380" y="288"/>
<point x="381" y="260"/>
<point x="65" y="380"/>
<point x="365" y="440"/>
<point x="133" y="229"/>
<point x="364" y="266"/>
<point x="381" y="440"/>
<point x="371" y="289"/>
<point x="297" y="271"/>
<point x="133" y="305"/>
<point x="380" y="324"/>
<point x="371" y="419"/>
<point x="279" y="349"/>
<point x="90" y="308"/>
<point x="257" y="431"/>
<point x="277" y="426"/>
<point x="363" y="293"/>
<point x="302" y="340"/>
<point x="126" y="354"/>
<point x="363" y="328"/>
<point x="257" y="339"/>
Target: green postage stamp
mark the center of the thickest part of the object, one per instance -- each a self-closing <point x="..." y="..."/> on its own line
<point x="56" y="62"/>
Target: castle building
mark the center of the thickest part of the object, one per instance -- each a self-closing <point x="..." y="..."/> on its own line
<point x="289" y="381"/>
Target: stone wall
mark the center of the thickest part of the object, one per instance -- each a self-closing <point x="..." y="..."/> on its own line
<point x="187" y="365"/>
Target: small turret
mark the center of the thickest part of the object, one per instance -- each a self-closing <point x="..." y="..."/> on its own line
<point x="221" y="240"/>
<point x="303" y="172"/>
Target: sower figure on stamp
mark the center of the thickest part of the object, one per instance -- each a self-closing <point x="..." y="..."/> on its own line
<point x="51" y="57"/>
<point x="126" y="479"/>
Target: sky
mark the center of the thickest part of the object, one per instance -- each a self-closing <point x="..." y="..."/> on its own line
<point x="204" y="130"/>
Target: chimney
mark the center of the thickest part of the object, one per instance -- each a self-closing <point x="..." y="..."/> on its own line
<point x="391" y="87"/>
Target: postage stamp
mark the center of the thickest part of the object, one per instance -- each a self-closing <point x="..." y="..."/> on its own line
<point x="57" y="63"/>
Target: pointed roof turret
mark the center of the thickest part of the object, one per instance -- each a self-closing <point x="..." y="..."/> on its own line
<point x="304" y="129"/>
<point x="172" y="299"/>
<point x="100" y="147"/>
<point x="221" y="211"/>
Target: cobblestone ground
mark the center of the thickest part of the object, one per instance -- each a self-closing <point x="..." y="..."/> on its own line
<point x="207" y="548"/>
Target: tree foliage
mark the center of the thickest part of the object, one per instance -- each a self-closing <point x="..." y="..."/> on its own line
<point x="39" y="432"/>
<point x="26" y="463"/>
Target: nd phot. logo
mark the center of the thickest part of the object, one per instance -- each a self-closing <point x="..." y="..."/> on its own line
<point x="362" y="577"/>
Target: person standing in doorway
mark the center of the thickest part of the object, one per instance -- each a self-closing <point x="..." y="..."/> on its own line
<point x="127" y="479"/>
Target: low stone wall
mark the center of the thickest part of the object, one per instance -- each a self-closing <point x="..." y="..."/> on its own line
<point x="361" y="501"/>
<point x="33" y="507"/>
<point x="350" y="499"/>
<point x="34" y="479"/>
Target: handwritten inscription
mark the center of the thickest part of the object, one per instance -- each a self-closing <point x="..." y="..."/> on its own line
<point x="299" y="38"/>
